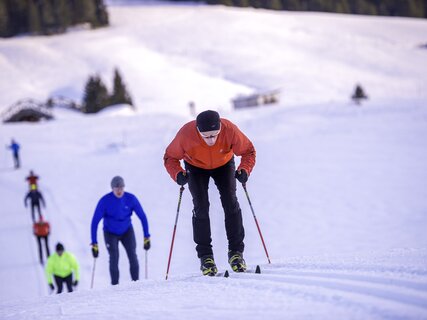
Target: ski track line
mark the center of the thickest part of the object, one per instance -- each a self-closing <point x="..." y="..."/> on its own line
<point x="420" y="286"/>
<point x="390" y="293"/>
<point x="281" y="288"/>
<point x="334" y="267"/>
<point x="64" y="220"/>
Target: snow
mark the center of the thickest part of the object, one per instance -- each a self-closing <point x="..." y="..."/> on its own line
<point x="339" y="190"/>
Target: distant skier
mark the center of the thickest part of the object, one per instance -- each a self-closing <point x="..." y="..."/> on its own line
<point x="14" y="146"/>
<point x="32" y="179"/>
<point x="116" y="209"/>
<point x="62" y="265"/>
<point x="208" y="146"/>
<point x="41" y="230"/>
<point x="36" y="197"/>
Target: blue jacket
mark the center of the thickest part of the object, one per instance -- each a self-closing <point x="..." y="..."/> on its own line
<point x="116" y="213"/>
<point x="15" y="147"/>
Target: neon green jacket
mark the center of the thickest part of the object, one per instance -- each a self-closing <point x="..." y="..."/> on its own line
<point x="62" y="266"/>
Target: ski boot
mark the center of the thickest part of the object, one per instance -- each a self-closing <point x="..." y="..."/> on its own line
<point x="236" y="261"/>
<point x="208" y="266"/>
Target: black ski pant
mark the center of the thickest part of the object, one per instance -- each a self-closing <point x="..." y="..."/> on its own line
<point x="60" y="282"/>
<point x="39" y="241"/>
<point x="34" y="206"/>
<point x="16" y="160"/>
<point x="129" y="242"/>
<point x="225" y="181"/>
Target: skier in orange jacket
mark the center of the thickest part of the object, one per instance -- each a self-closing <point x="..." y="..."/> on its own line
<point x="208" y="145"/>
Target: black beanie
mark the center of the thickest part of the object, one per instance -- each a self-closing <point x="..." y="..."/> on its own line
<point x="59" y="247"/>
<point x="208" y="121"/>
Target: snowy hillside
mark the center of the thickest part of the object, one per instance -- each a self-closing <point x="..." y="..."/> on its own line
<point x="172" y="54"/>
<point x="339" y="190"/>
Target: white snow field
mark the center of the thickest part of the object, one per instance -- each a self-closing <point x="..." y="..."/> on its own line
<point x="339" y="190"/>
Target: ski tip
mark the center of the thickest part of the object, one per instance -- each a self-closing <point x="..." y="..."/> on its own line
<point x="258" y="269"/>
<point x="226" y="274"/>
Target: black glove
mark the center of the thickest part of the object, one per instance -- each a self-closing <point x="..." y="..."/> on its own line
<point x="51" y="287"/>
<point x="147" y="243"/>
<point x="75" y="283"/>
<point x="182" y="178"/>
<point x="95" y="250"/>
<point x="241" y="175"/>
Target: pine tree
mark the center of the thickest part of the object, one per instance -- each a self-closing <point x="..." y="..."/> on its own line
<point x="48" y="17"/>
<point x="17" y="12"/>
<point x="120" y="94"/>
<point x="84" y="11"/>
<point x="95" y="95"/>
<point x="62" y="14"/>
<point x="228" y="3"/>
<point x="256" y="3"/>
<point x="342" y="6"/>
<point x="101" y="14"/>
<point x="242" y="3"/>
<point x="359" y="94"/>
<point x="274" y="4"/>
<point x="34" y="23"/>
<point x="4" y="20"/>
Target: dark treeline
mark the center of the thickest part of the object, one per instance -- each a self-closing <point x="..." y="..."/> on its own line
<point x="404" y="8"/>
<point x="49" y="16"/>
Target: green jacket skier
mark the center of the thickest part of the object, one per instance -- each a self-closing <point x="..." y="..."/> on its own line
<point x="62" y="265"/>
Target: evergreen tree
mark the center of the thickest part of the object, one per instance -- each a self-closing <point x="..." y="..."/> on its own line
<point x="101" y="14"/>
<point x="120" y="94"/>
<point x="228" y="3"/>
<point x="364" y="7"/>
<point x="359" y="94"/>
<point x="342" y="6"/>
<point x="256" y="3"/>
<point x="17" y="11"/>
<point x="293" y="5"/>
<point x="34" y="23"/>
<point x="242" y="3"/>
<point x="95" y="95"/>
<point x="274" y="4"/>
<point x="63" y="14"/>
<point x="4" y="20"/>
<point x="48" y="17"/>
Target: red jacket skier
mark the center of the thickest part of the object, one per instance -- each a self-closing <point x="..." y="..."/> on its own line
<point x="207" y="146"/>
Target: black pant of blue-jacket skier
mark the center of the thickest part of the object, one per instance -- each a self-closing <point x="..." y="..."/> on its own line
<point x="129" y="242"/>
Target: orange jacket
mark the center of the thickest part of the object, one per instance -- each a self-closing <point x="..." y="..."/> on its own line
<point x="190" y="146"/>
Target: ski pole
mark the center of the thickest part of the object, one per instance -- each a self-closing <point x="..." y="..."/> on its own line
<point x="93" y="273"/>
<point x="146" y="264"/>
<point x="181" y="190"/>
<point x="256" y="221"/>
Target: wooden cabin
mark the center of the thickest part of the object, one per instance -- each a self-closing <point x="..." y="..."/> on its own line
<point x="256" y="99"/>
<point x="27" y="111"/>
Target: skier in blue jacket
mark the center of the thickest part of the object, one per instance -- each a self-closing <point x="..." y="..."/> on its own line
<point x="14" y="146"/>
<point x="116" y="209"/>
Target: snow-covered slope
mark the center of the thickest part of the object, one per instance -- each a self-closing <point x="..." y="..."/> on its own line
<point x="172" y="54"/>
<point x="339" y="190"/>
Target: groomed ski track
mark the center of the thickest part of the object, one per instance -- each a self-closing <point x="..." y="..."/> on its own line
<point x="369" y="293"/>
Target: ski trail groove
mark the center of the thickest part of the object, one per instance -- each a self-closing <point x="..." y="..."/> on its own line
<point x="387" y="291"/>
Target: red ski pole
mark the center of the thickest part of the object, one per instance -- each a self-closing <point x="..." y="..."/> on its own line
<point x="181" y="190"/>
<point x="256" y="221"/>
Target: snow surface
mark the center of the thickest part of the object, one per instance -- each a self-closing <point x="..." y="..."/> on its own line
<point x="339" y="190"/>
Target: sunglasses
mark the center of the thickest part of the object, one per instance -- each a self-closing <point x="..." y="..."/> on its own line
<point x="209" y="134"/>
